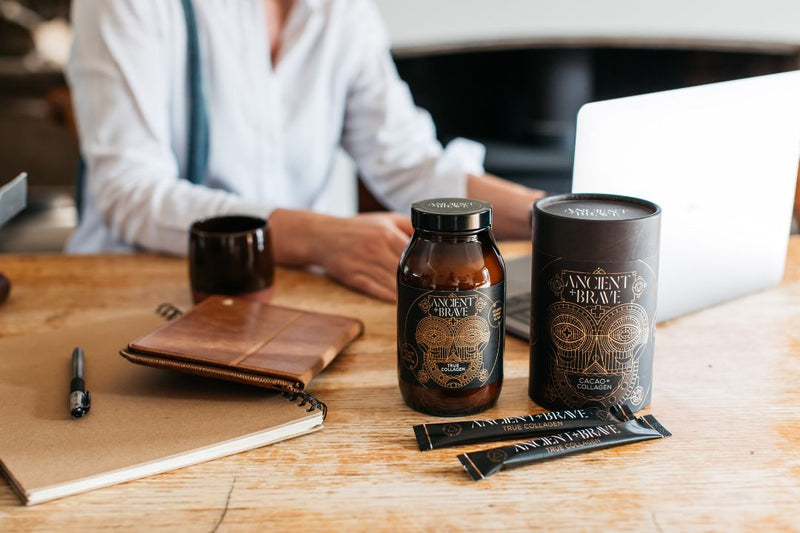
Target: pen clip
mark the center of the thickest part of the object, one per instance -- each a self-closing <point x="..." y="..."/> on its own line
<point x="80" y="403"/>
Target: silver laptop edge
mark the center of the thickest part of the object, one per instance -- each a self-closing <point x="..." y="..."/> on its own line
<point x="13" y="197"/>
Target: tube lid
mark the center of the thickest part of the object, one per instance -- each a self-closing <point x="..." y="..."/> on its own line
<point x="596" y="227"/>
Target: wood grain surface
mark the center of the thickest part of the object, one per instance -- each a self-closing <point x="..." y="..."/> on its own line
<point x="727" y="384"/>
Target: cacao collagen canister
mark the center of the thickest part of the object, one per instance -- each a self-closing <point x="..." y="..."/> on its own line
<point x="594" y="281"/>
<point x="450" y="309"/>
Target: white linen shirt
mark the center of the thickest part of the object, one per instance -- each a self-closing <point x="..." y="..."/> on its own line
<point x="274" y="130"/>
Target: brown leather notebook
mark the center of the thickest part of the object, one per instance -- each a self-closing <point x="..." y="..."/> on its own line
<point x="247" y="342"/>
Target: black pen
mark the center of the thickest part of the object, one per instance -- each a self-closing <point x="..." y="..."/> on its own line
<point x="79" y="398"/>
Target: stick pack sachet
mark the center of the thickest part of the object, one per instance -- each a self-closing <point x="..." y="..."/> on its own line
<point x="487" y="462"/>
<point x="443" y="435"/>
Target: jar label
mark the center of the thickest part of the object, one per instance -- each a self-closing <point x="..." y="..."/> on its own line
<point x="451" y="339"/>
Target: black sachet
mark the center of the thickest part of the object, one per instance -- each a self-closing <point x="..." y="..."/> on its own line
<point x="443" y="435"/>
<point x="487" y="462"/>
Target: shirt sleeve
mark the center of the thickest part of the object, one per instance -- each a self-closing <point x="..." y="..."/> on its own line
<point x="392" y="141"/>
<point x="120" y="75"/>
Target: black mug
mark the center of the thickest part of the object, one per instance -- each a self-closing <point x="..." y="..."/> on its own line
<point x="231" y="255"/>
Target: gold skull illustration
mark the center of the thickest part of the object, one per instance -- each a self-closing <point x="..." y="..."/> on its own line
<point x="452" y="349"/>
<point x="597" y="350"/>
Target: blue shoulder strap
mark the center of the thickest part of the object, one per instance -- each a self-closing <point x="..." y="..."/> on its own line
<point x="197" y="142"/>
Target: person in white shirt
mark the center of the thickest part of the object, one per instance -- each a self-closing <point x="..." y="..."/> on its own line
<point x="286" y="82"/>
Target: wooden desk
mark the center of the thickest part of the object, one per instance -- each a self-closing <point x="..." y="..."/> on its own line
<point x="727" y="384"/>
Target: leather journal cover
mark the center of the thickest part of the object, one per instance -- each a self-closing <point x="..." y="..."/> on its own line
<point x="247" y="342"/>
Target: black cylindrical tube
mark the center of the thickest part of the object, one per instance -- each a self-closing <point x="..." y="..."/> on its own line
<point x="594" y="281"/>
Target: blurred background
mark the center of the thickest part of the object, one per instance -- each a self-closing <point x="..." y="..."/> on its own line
<point x="511" y="74"/>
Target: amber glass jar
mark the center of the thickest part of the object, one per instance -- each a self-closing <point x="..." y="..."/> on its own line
<point x="451" y="309"/>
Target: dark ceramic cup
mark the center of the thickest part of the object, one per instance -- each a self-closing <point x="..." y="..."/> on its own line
<point x="231" y="255"/>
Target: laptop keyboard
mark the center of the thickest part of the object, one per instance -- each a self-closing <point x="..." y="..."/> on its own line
<point x="519" y="307"/>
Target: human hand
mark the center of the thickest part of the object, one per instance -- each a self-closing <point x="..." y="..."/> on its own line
<point x="363" y="252"/>
<point x="511" y="202"/>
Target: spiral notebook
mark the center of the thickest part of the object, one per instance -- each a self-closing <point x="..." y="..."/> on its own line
<point x="142" y="421"/>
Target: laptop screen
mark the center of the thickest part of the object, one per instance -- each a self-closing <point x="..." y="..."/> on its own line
<point x="721" y="161"/>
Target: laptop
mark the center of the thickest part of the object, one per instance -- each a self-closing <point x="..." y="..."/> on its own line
<point x="13" y="197"/>
<point x="720" y="159"/>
